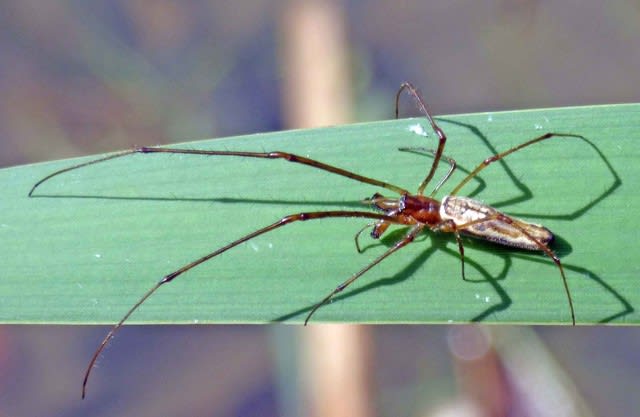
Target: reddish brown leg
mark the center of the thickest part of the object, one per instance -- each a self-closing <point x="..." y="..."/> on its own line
<point x="451" y="161"/>
<point x="556" y="260"/>
<point x="264" y="155"/>
<point x="408" y="238"/>
<point x="442" y="137"/>
<point x="168" y="278"/>
<point x="501" y="155"/>
<point x="544" y="248"/>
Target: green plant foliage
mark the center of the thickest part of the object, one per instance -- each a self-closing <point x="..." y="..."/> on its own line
<point x="90" y="242"/>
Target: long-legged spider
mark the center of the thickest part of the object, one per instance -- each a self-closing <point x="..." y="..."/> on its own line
<point x="454" y="214"/>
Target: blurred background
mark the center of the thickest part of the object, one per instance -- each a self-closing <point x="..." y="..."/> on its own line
<point x="79" y="78"/>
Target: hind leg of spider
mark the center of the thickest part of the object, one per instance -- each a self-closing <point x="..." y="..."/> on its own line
<point x="501" y="155"/>
<point x="515" y="224"/>
<point x="408" y="238"/>
<point x="168" y="278"/>
<point x="543" y="247"/>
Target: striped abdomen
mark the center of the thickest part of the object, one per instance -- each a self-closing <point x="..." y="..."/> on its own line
<point x="498" y="227"/>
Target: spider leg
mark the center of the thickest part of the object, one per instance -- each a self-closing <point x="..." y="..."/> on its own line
<point x="168" y="278"/>
<point x="357" y="236"/>
<point x="451" y="161"/>
<point x="442" y="138"/>
<point x="501" y="155"/>
<point x="451" y="227"/>
<point x="461" y="250"/>
<point x="264" y="155"/>
<point x="408" y="238"/>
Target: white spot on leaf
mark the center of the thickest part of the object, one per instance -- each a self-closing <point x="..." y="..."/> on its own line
<point x="417" y="129"/>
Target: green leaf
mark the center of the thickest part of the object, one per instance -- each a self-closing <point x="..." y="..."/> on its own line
<point x="91" y="241"/>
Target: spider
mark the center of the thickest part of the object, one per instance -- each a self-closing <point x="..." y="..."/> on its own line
<point x="453" y="214"/>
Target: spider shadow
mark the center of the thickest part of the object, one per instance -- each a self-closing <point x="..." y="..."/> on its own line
<point x="626" y="309"/>
<point x="560" y="245"/>
<point x="481" y="185"/>
<point x="561" y="248"/>
<point x="525" y="192"/>
<point x="223" y="200"/>
<point x="438" y="244"/>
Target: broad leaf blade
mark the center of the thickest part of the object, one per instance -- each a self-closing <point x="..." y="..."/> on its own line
<point x="92" y="241"/>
